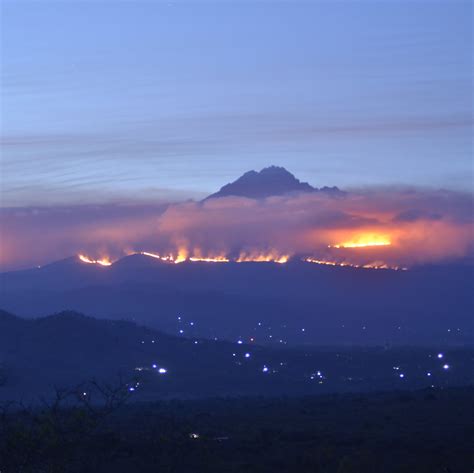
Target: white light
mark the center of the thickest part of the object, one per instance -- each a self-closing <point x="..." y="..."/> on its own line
<point x="154" y="366"/>
<point x="402" y="375"/>
<point x="191" y="323"/>
<point x="440" y="355"/>
<point x="239" y="342"/>
<point x="264" y="369"/>
<point x="195" y="342"/>
<point x="247" y="355"/>
<point x="428" y="374"/>
<point x="162" y="371"/>
<point x="303" y="329"/>
<point x="446" y="367"/>
<point x="181" y="331"/>
<point x="131" y="389"/>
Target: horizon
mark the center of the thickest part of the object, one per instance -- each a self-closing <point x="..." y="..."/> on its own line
<point x="400" y="226"/>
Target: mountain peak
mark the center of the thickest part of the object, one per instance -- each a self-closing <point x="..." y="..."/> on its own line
<point x="272" y="180"/>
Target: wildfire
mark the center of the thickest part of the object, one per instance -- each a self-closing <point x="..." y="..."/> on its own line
<point x="219" y="259"/>
<point x="262" y="257"/>
<point x="102" y="262"/>
<point x="244" y="257"/>
<point x="169" y="258"/>
<point x="197" y="257"/>
<point x="364" y="241"/>
<point x="182" y="256"/>
<point x="374" y="265"/>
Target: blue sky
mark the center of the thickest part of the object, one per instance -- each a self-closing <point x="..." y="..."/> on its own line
<point x="106" y="101"/>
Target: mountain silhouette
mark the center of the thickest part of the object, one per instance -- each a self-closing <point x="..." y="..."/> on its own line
<point x="270" y="181"/>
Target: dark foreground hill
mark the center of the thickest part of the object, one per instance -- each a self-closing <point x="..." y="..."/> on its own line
<point x="428" y="431"/>
<point x="270" y="302"/>
<point x="64" y="350"/>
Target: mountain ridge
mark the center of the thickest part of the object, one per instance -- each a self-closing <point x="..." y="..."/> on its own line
<point x="269" y="181"/>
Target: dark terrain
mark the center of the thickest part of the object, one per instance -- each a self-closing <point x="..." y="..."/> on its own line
<point x="66" y="349"/>
<point x="335" y="305"/>
<point x="427" y="431"/>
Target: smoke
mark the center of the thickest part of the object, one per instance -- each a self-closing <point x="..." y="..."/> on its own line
<point x="422" y="226"/>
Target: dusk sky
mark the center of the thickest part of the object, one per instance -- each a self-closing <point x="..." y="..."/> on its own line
<point x="169" y="100"/>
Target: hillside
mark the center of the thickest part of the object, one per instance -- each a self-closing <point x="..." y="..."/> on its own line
<point x="230" y="300"/>
<point x="67" y="349"/>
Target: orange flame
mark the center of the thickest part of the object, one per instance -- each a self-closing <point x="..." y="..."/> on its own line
<point x="218" y="259"/>
<point x="271" y="257"/>
<point x="374" y="265"/>
<point x="102" y="262"/>
<point x="222" y="258"/>
<point x="364" y="241"/>
<point x="157" y="256"/>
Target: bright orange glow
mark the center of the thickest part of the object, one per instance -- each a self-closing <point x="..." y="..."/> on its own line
<point x="102" y="262"/>
<point x="198" y="256"/>
<point x="271" y="257"/>
<point x="363" y="241"/>
<point x="157" y="256"/>
<point x="374" y="265"/>
<point x="182" y="256"/>
<point x="151" y="255"/>
<point x="219" y="259"/>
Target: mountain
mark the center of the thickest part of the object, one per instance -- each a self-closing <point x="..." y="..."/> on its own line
<point x="267" y="301"/>
<point x="270" y="181"/>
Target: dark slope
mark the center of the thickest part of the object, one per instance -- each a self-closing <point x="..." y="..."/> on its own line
<point x="430" y="305"/>
<point x="66" y="349"/>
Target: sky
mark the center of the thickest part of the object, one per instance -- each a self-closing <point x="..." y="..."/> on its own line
<point x="150" y="101"/>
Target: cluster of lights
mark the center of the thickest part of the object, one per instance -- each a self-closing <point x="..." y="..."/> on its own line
<point x="318" y="375"/>
<point x="265" y="368"/>
<point x="247" y="355"/>
<point x="440" y="356"/>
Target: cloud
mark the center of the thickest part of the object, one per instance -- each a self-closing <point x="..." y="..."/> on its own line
<point x="413" y="215"/>
<point x="422" y="226"/>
